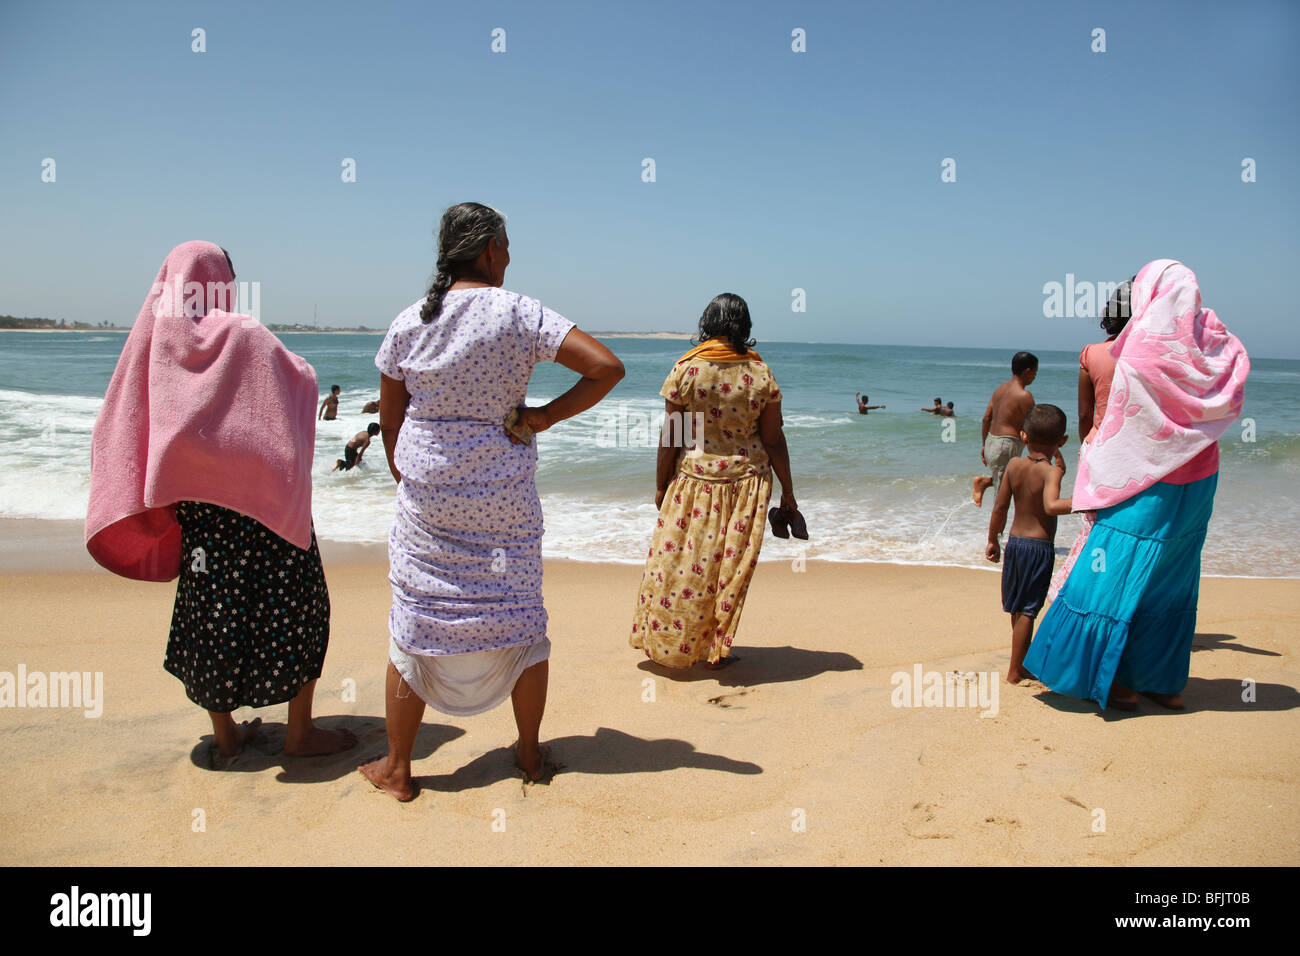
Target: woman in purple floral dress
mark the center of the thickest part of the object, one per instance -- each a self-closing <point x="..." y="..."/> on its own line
<point x="467" y="626"/>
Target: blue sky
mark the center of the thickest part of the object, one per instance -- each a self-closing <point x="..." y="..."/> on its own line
<point x="775" y="170"/>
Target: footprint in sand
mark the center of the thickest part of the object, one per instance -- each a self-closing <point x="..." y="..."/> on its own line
<point x="1003" y="821"/>
<point x="923" y="813"/>
<point x="723" y="700"/>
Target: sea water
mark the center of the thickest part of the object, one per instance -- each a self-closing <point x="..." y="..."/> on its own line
<point x="893" y="485"/>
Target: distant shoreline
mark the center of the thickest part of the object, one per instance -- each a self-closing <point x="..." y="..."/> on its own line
<point x="640" y="335"/>
<point x="122" y="331"/>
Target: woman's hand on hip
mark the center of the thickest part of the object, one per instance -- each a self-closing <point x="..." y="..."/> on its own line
<point x="531" y="421"/>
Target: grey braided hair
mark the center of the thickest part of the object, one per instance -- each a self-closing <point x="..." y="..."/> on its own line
<point x="464" y="232"/>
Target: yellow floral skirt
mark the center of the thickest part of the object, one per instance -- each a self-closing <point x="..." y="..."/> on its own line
<point x="703" y="555"/>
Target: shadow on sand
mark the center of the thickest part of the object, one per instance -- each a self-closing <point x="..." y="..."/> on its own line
<point x="761" y="665"/>
<point x="606" y="751"/>
<point x="266" y="750"/>
<point x="1201" y="694"/>
<point x="1216" y="642"/>
<point x="1221" y="694"/>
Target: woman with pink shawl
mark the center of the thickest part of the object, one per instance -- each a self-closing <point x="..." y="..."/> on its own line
<point x="200" y="467"/>
<point x="1124" y="620"/>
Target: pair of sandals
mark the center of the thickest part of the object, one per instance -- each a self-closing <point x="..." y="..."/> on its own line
<point x="785" y="521"/>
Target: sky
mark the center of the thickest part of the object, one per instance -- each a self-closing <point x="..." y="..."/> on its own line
<point x="774" y="170"/>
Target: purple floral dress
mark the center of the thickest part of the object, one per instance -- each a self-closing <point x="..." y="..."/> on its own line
<point x="465" y="550"/>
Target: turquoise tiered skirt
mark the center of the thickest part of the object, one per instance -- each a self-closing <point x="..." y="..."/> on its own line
<point x="1127" y="612"/>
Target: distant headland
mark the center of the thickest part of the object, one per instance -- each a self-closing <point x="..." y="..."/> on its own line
<point x="15" y="322"/>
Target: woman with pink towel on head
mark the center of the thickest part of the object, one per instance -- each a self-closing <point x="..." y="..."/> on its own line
<point x="1124" y="620"/>
<point x="200" y="467"/>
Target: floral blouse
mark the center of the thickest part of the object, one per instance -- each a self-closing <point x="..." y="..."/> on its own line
<point x="728" y="398"/>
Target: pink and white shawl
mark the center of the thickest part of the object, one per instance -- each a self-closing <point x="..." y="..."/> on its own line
<point x="204" y="405"/>
<point x="1179" y="384"/>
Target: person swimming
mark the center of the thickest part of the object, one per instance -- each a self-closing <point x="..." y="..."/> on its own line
<point x="863" y="407"/>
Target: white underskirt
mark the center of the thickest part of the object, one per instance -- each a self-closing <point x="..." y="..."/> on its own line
<point x="465" y="684"/>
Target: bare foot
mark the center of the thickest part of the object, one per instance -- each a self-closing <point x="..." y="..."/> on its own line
<point x="1016" y="674"/>
<point x="317" y="742"/>
<point x="978" y="486"/>
<point x="533" y="765"/>
<point x="231" y="740"/>
<point x="1121" y="698"/>
<point x="722" y="662"/>
<point x="398" y="785"/>
<point x="1171" y="701"/>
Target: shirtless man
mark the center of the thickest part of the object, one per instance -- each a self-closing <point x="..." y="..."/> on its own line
<point x="863" y="407"/>
<point x="1000" y="431"/>
<point x="330" y="407"/>
<point x="938" y="407"/>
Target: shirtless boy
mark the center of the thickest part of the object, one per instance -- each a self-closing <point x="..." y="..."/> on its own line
<point x="1034" y="483"/>
<point x="330" y="407"/>
<point x="356" y="448"/>
<point x="1000" y="432"/>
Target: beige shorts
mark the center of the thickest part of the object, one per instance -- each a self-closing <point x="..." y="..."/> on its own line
<point x="998" y="452"/>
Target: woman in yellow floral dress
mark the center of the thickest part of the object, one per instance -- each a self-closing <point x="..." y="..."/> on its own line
<point x="722" y="440"/>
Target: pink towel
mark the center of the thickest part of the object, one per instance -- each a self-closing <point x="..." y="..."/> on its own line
<point x="204" y="405"/>
<point x="1179" y="384"/>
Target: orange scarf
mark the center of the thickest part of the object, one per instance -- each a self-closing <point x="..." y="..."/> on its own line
<point x="718" y="350"/>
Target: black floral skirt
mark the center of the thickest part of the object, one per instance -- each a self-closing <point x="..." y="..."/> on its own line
<point x="252" y="616"/>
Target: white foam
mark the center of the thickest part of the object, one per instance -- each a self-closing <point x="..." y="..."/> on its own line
<point x="598" y="500"/>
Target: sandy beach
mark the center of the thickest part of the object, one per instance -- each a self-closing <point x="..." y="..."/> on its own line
<point x="795" y="754"/>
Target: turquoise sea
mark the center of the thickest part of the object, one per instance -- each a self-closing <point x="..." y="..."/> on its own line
<point x="881" y="487"/>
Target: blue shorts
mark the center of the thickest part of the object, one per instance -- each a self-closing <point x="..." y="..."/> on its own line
<point x="1026" y="574"/>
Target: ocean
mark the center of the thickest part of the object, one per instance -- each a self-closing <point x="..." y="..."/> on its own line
<point x="891" y="486"/>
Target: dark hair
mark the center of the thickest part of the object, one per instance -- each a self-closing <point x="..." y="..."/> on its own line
<point x="1118" y="310"/>
<point x="950" y="404"/>
<point x="334" y="388"/>
<point x="228" y="262"/>
<point x="372" y="428"/>
<point x="727" y="317"/>
<point x="938" y="401"/>
<point x="463" y="233"/>
<point x="1044" y="424"/>
<point x="1023" y="362"/>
